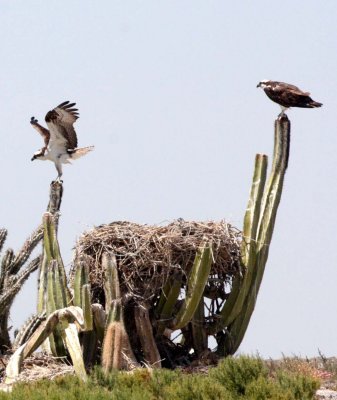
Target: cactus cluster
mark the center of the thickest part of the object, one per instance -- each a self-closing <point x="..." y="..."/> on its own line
<point x="130" y="333"/>
<point x="15" y="268"/>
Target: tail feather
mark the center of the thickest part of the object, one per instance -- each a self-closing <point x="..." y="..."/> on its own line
<point x="82" y="151"/>
<point x="315" y="104"/>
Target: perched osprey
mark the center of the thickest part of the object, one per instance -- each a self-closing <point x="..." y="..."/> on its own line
<point x="287" y="95"/>
<point x="60" y="141"/>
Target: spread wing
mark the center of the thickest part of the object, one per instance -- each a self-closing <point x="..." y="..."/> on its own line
<point x="60" y="122"/>
<point x="42" y="131"/>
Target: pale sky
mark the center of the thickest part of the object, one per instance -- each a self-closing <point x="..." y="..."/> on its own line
<point x="167" y="94"/>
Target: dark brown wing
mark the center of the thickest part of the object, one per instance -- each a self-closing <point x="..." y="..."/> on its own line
<point x="42" y="131"/>
<point x="290" y="96"/>
<point x="282" y="86"/>
<point x="60" y="123"/>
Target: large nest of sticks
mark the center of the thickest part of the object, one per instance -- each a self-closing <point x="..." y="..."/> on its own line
<point x="146" y="255"/>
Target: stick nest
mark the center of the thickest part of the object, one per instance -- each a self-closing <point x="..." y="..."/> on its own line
<point x="147" y="255"/>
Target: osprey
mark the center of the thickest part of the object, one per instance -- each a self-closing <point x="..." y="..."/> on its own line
<point x="60" y="141"/>
<point x="287" y="95"/>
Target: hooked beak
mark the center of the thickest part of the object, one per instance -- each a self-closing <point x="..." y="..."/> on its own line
<point x="33" y="158"/>
<point x="259" y="85"/>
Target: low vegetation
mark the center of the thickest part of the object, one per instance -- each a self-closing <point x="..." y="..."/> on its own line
<point x="246" y="378"/>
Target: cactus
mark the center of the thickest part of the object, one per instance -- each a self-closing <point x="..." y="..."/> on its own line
<point x="112" y="345"/>
<point x="145" y="334"/>
<point x="116" y="351"/>
<point x="110" y="279"/>
<point x="148" y="324"/>
<point x="14" y="268"/>
<point x="81" y="278"/>
<point x="168" y="301"/>
<point x="195" y="286"/>
<point x="27" y="330"/>
<point x="258" y="229"/>
<point x="64" y="319"/>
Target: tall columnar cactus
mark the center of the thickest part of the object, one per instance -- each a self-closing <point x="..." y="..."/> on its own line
<point x="257" y="234"/>
<point x="14" y="269"/>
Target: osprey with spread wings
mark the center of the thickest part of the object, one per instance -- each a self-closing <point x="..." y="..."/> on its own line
<point x="60" y="141"/>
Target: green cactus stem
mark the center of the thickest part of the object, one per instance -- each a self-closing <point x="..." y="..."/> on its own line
<point x="55" y="301"/>
<point x="199" y="334"/>
<point x="86" y="307"/>
<point x="81" y="278"/>
<point x="271" y="199"/>
<point x="168" y="301"/>
<point x="241" y="284"/>
<point x="110" y="279"/>
<point x="195" y="287"/>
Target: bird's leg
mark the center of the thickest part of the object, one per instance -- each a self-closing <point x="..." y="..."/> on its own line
<point x="283" y="110"/>
<point x="59" y="171"/>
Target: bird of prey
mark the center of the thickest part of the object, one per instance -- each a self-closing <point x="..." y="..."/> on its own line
<point x="60" y="141"/>
<point x="287" y="95"/>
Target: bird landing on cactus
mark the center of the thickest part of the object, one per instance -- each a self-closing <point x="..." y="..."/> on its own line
<point x="60" y="141"/>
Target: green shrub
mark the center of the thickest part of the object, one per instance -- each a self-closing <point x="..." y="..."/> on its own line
<point x="196" y="387"/>
<point x="236" y="373"/>
<point x="301" y="386"/>
<point x="265" y="389"/>
<point x="241" y="378"/>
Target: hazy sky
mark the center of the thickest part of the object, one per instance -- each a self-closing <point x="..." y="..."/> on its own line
<point x="167" y="94"/>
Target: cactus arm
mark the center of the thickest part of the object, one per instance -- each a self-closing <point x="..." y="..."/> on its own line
<point x="196" y="285"/>
<point x="3" y="236"/>
<point x="70" y="337"/>
<point x="99" y="318"/>
<point x="81" y="278"/>
<point x="27" y="330"/>
<point x="170" y="294"/>
<point x="86" y="307"/>
<point x="199" y="334"/>
<point x="7" y="298"/>
<point x="110" y="279"/>
<point x="26" y="250"/>
<point x="241" y="284"/>
<point x="5" y="264"/>
<point x="145" y="334"/>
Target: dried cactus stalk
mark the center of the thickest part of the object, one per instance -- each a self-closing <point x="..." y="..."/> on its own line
<point x="99" y="318"/>
<point x="112" y="344"/>
<point x="27" y="330"/>
<point x="3" y="236"/>
<point x="60" y="319"/>
<point x="145" y="334"/>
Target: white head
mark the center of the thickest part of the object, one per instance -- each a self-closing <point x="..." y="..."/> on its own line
<point x="263" y="83"/>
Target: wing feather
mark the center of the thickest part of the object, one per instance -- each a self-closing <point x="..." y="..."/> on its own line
<point x="60" y="122"/>
<point x="42" y="131"/>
